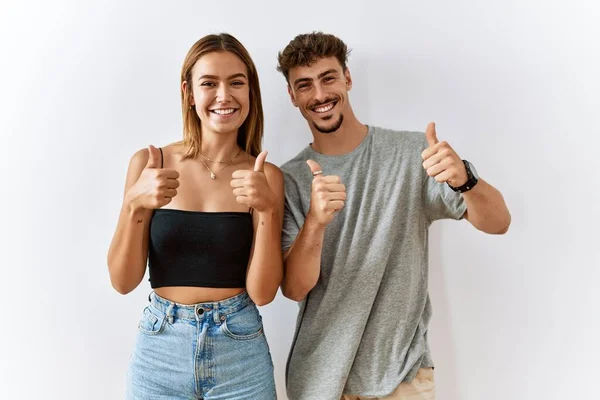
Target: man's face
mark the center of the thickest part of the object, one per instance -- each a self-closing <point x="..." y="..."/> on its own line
<point x="320" y="91"/>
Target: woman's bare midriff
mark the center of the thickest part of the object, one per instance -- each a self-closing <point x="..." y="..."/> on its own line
<point x="192" y="295"/>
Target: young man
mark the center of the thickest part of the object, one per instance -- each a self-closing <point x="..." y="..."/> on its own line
<point x="359" y="202"/>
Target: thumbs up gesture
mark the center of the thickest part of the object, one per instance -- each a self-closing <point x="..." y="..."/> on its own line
<point x="441" y="161"/>
<point x="156" y="186"/>
<point x="251" y="188"/>
<point x="328" y="195"/>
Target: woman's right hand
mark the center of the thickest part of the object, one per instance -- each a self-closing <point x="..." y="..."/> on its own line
<point x="155" y="187"/>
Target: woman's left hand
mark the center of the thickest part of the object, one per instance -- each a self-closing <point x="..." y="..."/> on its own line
<point x="251" y="188"/>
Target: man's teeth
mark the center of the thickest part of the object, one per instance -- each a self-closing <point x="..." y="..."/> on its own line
<point x="324" y="108"/>
<point x="226" y="111"/>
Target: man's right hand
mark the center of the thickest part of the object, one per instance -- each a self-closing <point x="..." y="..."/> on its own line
<point x="155" y="187"/>
<point x="328" y="195"/>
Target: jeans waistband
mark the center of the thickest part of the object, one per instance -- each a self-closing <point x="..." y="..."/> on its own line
<point x="218" y="309"/>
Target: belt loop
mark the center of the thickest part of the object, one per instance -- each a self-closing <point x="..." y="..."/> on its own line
<point x="216" y="313"/>
<point x="170" y="312"/>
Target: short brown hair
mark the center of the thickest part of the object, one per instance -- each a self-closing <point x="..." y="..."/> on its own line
<point x="251" y="132"/>
<point x="307" y="48"/>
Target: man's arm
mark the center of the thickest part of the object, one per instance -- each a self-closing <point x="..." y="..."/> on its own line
<point x="486" y="209"/>
<point x="302" y="261"/>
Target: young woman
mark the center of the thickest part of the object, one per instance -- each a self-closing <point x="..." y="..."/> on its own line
<point x="205" y="214"/>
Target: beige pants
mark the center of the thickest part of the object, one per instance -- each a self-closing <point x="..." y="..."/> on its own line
<point x="421" y="388"/>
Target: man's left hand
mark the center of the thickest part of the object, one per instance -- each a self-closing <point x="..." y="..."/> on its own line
<point x="441" y="161"/>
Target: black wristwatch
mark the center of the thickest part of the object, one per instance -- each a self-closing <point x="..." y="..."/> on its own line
<point x="472" y="179"/>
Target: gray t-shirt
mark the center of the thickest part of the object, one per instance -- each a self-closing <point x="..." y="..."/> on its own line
<point x="362" y="329"/>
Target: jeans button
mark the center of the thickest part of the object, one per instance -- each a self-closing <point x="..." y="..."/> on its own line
<point x="200" y="311"/>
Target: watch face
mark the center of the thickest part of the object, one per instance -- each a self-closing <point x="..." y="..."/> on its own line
<point x="473" y="170"/>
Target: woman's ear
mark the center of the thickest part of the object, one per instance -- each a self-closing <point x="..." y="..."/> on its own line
<point x="187" y="92"/>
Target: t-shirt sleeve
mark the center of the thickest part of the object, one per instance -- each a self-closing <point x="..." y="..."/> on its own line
<point x="293" y="215"/>
<point x="441" y="202"/>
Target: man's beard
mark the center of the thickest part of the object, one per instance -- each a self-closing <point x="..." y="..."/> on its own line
<point x="332" y="128"/>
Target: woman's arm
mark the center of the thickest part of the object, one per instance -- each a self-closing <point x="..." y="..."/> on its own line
<point x="262" y="189"/>
<point x="265" y="270"/>
<point x="147" y="186"/>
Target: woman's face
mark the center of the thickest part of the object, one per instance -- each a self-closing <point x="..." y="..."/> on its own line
<point x="221" y="92"/>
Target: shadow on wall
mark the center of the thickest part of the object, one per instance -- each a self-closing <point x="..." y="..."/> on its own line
<point x="440" y="333"/>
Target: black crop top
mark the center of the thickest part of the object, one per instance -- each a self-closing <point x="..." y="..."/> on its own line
<point x="205" y="249"/>
<point x="196" y="248"/>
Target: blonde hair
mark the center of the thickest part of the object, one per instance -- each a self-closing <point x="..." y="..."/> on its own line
<point x="251" y="132"/>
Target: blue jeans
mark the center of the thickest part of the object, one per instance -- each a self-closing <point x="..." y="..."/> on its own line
<point x="212" y="351"/>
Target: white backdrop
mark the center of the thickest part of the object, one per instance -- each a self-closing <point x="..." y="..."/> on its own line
<point x="512" y="85"/>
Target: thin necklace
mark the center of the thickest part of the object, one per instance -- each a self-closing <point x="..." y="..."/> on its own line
<point x="202" y="156"/>
<point x="213" y="176"/>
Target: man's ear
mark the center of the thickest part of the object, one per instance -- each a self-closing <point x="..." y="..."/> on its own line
<point x="292" y="97"/>
<point x="348" y="78"/>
